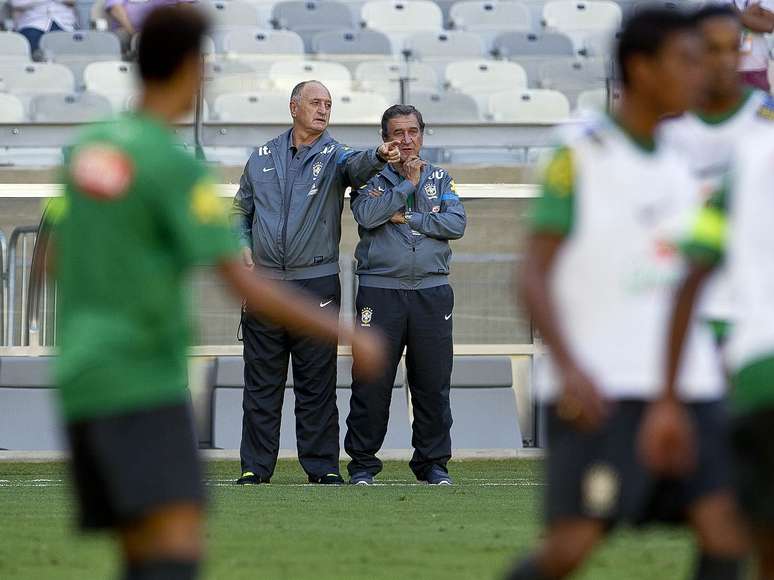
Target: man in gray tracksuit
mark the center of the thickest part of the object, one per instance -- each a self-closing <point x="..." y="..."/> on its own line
<point x="406" y="216"/>
<point x="288" y="214"/>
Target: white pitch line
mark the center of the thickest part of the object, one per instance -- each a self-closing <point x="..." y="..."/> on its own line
<point x="5" y="483"/>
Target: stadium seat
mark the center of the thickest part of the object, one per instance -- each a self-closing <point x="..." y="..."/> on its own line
<point x="286" y="75"/>
<point x="595" y="100"/>
<point x="446" y="107"/>
<point x="579" y="18"/>
<point x="69" y="108"/>
<point x="247" y="42"/>
<point x="252" y="108"/>
<point x="29" y="418"/>
<point x="232" y="13"/>
<point x="483" y="404"/>
<point x="383" y="77"/>
<point x="402" y="15"/>
<point x="14" y="47"/>
<point x="227" y="406"/>
<point x="445" y="45"/>
<point x="514" y="45"/>
<point x="358" y="108"/>
<point x="538" y="106"/>
<point x="351" y="42"/>
<point x="490" y="15"/>
<point x="598" y="44"/>
<point x="27" y="78"/>
<point x="235" y="76"/>
<point x="114" y="80"/>
<point x="481" y="78"/>
<point x="573" y="76"/>
<point x="80" y="44"/>
<point x="11" y="109"/>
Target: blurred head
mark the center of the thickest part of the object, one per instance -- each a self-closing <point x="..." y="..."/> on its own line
<point x="404" y="123"/>
<point x="170" y="53"/>
<point x="720" y="28"/>
<point x="310" y="106"/>
<point x="659" y="58"/>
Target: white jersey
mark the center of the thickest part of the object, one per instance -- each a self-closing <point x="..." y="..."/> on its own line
<point x="615" y="275"/>
<point x="708" y="146"/>
<point x="753" y="45"/>
<point x="750" y="249"/>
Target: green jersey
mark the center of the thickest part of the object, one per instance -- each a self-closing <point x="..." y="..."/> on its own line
<point x="137" y="214"/>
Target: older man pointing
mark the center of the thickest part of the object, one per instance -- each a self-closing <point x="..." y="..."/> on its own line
<point x="288" y="212"/>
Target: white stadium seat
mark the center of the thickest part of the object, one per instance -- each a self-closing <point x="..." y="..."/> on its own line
<point x="25" y="78"/>
<point x="286" y="75"/>
<point x="14" y="47"/>
<point x="538" y="106"/>
<point x="595" y="100"/>
<point x="573" y="76"/>
<point x="252" y="108"/>
<point x="579" y="19"/>
<point x="11" y="109"/>
<point x="235" y="76"/>
<point x="490" y="15"/>
<point x="80" y="44"/>
<point x="354" y="43"/>
<point x="384" y="76"/>
<point x="445" y="45"/>
<point x="114" y="80"/>
<point x="481" y="78"/>
<point x="69" y="108"/>
<point x="446" y="107"/>
<point x="358" y="108"/>
<point x="402" y="15"/>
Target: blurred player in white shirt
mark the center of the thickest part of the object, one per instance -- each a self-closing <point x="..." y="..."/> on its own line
<point x="757" y="18"/>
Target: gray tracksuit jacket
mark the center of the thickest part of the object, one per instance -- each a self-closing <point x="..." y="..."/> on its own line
<point x="409" y="256"/>
<point x="294" y="229"/>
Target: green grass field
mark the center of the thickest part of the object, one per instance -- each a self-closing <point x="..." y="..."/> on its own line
<point x="288" y="530"/>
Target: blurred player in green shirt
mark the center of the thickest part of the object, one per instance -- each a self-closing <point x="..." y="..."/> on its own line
<point x="137" y="214"/>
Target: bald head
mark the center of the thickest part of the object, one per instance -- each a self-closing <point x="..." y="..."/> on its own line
<point x="310" y="107"/>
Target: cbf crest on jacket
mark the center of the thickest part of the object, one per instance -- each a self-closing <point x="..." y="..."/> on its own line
<point x="414" y="255"/>
<point x="295" y="230"/>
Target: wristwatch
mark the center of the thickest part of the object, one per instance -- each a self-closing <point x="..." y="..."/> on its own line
<point x="379" y="156"/>
<point x="407" y="215"/>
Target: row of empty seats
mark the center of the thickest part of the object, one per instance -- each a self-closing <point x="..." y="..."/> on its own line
<point x="482" y="399"/>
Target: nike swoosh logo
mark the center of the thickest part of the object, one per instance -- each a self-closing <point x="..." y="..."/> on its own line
<point x="447" y="317"/>
<point x="324" y="304"/>
<point x="267" y="169"/>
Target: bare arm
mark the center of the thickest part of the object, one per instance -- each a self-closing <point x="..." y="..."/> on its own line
<point x="757" y="19"/>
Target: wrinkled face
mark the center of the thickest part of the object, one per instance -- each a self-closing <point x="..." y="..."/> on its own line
<point x="673" y="78"/>
<point x="405" y="128"/>
<point x="721" y="56"/>
<point x="312" y="111"/>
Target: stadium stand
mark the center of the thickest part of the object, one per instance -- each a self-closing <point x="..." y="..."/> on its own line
<point x="480" y="78"/>
<point x="234" y="76"/>
<point x="233" y="13"/>
<point x="400" y="18"/>
<point x="287" y="74"/>
<point x="27" y="79"/>
<point x="307" y="18"/>
<point x="573" y="76"/>
<point x="578" y="19"/>
<point x="488" y="18"/>
<point x="446" y="107"/>
<point x="384" y="77"/>
<point x="251" y="108"/>
<point x="445" y="45"/>
<point x="227" y="406"/>
<point x="358" y="108"/>
<point x="529" y="106"/>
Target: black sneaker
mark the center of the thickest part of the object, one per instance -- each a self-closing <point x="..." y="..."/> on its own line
<point x="436" y="475"/>
<point x="362" y="478"/>
<point x="327" y="479"/>
<point x="249" y="478"/>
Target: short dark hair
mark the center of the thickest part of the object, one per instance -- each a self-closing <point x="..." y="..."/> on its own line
<point x="646" y="32"/>
<point x="170" y="35"/>
<point x="715" y="11"/>
<point x="401" y="111"/>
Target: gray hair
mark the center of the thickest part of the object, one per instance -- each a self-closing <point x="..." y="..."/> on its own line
<point x="295" y="94"/>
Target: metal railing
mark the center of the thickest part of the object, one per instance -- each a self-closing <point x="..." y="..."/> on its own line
<point x="35" y="324"/>
<point x="22" y="243"/>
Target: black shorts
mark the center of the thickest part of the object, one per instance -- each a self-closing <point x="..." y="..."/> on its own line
<point x="599" y="474"/>
<point x="753" y="453"/>
<point x="126" y="466"/>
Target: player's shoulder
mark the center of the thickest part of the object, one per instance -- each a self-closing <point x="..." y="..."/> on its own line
<point x="594" y="130"/>
<point x="765" y="109"/>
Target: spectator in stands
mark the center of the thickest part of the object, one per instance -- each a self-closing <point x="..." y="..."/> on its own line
<point x="288" y="213"/>
<point x="406" y="216"/>
<point x="757" y="17"/>
<point x="33" y="18"/>
<point x="126" y="17"/>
